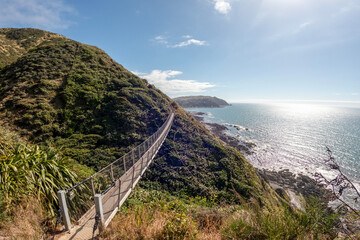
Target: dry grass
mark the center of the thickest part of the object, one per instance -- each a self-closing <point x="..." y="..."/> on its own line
<point x="158" y="222"/>
<point x="25" y="223"/>
<point x="145" y="222"/>
<point x="144" y="225"/>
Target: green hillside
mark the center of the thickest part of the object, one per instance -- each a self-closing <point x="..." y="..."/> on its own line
<point x="16" y="42"/>
<point x="59" y="93"/>
<point x="201" y="102"/>
<point x="76" y="97"/>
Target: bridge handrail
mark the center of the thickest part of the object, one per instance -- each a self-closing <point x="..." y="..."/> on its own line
<point x="77" y="202"/>
<point x="120" y="158"/>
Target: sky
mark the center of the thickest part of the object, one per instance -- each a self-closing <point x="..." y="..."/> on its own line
<point x="238" y="50"/>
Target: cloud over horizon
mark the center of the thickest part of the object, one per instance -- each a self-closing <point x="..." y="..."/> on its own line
<point x="166" y="82"/>
<point x="35" y="13"/>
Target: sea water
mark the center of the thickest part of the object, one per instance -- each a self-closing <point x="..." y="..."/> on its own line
<point x="294" y="136"/>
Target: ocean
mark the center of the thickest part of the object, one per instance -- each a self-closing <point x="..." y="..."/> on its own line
<point x="294" y="136"/>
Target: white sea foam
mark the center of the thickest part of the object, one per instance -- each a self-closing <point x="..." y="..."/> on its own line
<point x="237" y="127"/>
<point x="295" y="137"/>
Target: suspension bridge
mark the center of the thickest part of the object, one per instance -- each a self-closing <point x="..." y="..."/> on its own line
<point x="89" y="206"/>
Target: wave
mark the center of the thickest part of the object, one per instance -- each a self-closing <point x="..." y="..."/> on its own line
<point x="237" y="127"/>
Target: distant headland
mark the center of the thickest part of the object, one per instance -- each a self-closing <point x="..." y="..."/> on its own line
<point x="201" y="102"/>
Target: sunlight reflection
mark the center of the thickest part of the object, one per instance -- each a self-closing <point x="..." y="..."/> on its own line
<point x="304" y="110"/>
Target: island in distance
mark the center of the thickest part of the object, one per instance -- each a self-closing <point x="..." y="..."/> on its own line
<point x="201" y="102"/>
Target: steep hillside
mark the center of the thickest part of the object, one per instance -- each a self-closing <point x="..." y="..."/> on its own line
<point x="77" y="97"/>
<point x="16" y="42"/>
<point x="74" y="96"/>
<point x="200" y="102"/>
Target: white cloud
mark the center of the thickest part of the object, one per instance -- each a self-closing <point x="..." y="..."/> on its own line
<point x="222" y="6"/>
<point x="297" y="29"/>
<point x="161" y="39"/>
<point x="302" y="26"/>
<point x="166" y="82"/>
<point x="189" y="42"/>
<point x="138" y="73"/>
<point x="35" y="13"/>
<point x="355" y="94"/>
<point x="305" y="24"/>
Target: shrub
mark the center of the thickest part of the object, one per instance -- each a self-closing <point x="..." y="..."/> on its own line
<point x="179" y="226"/>
<point x="31" y="170"/>
<point x="254" y="223"/>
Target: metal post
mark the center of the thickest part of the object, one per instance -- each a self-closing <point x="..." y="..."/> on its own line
<point x="119" y="198"/>
<point x="139" y="151"/>
<point x="133" y="157"/>
<point x="99" y="211"/>
<point x="124" y="163"/>
<point x="133" y="173"/>
<point x="142" y="160"/>
<point x="112" y="173"/>
<point x="92" y="186"/>
<point x="151" y="151"/>
<point x="65" y="212"/>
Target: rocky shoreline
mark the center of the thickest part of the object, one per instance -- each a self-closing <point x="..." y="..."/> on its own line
<point x="298" y="189"/>
<point x="219" y="131"/>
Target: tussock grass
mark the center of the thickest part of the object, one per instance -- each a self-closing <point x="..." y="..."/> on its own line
<point x="251" y="222"/>
<point x="155" y="215"/>
<point x="27" y="221"/>
<point x="151" y="222"/>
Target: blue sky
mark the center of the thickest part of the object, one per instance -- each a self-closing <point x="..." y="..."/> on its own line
<point x="239" y="50"/>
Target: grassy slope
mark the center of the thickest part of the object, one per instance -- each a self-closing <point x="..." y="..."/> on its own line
<point x="16" y="42"/>
<point x="76" y="97"/>
<point x="194" y="162"/>
<point x="60" y="92"/>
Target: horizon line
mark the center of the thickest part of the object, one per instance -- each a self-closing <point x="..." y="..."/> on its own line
<point x="291" y="100"/>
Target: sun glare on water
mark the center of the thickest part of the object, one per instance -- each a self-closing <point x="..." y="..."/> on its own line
<point x="303" y="110"/>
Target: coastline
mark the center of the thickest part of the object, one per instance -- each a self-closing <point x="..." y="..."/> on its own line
<point x="297" y="187"/>
<point x="219" y="131"/>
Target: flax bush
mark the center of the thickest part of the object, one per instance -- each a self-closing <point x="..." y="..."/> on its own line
<point x="29" y="170"/>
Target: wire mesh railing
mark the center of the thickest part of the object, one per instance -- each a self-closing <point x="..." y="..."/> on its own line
<point x="114" y="181"/>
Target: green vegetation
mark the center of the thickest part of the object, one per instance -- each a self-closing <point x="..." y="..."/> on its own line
<point x="61" y="94"/>
<point x="15" y="42"/>
<point x="200" y="102"/>
<point x="31" y="171"/>
<point x="252" y="223"/>
<point x="75" y="97"/>
<point x="30" y="177"/>
<point x="158" y="215"/>
<point x="193" y="162"/>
